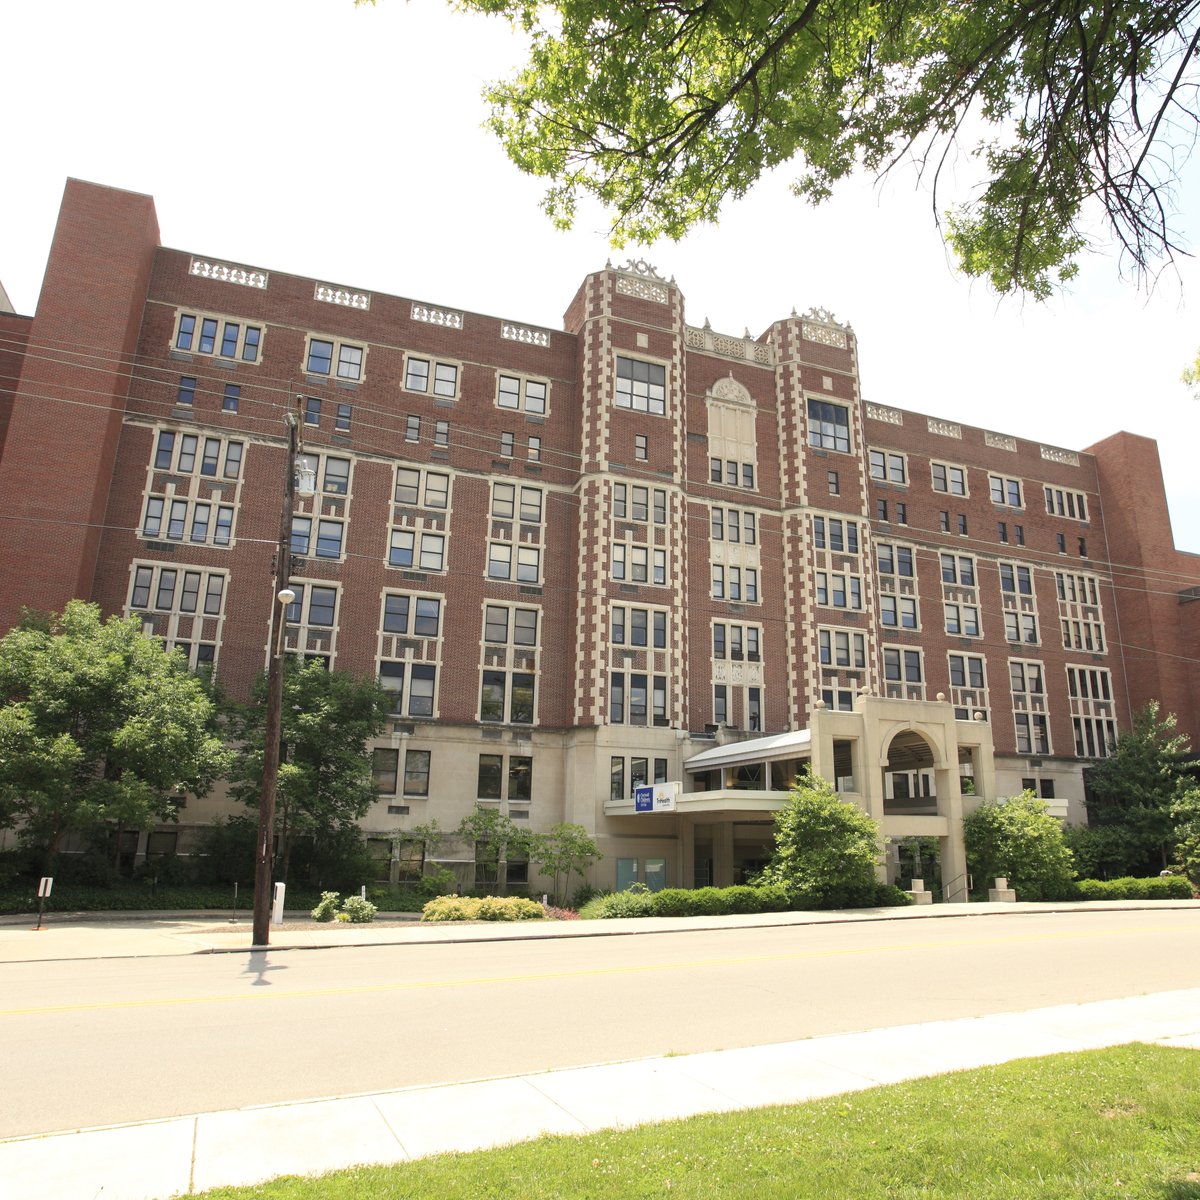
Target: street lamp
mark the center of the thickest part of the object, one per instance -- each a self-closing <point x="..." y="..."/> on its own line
<point x="300" y="477"/>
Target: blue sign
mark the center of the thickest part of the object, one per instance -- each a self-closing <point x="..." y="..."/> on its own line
<point x="643" y="799"/>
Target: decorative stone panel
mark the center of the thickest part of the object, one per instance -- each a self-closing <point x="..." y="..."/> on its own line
<point x="877" y="412"/>
<point x="999" y="441"/>
<point x="1067" y="457"/>
<point x="437" y="316"/>
<point x="944" y="428"/>
<point x="335" y="295"/>
<point x="228" y="274"/>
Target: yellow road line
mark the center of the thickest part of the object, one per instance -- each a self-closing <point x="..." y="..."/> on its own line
<point x="254" y="993"/>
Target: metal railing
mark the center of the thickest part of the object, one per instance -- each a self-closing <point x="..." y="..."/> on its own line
<point x="960" y="887"/>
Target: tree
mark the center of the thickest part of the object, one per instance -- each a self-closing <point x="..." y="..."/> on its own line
<point x="1186" y="812"/>
<point x="825" y="849"/>
<point x="1019" y="839"/>
<point x="1191" y="376"/>
<point x="564" y="851"/>
<point x="325" y="781"/>
<point x="1131" y="793"/>
<point x="664" y="109"/>
<point x="100" y="728"/>
<point x="495" y="838"/>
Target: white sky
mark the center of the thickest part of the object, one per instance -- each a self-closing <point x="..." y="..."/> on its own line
<point x="310" y="137"/>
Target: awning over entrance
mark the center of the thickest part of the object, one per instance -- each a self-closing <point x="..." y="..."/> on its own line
<point x="793" y="744"/>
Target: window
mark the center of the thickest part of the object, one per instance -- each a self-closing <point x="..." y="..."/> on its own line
<point x="962" y="524"/>
<point x="1025" y="682"/>
<point x="834" y="534"/>
<point x="962" y="619"/>
<point x="839" y="591"/>
<point x="507" y="696"/>
<point x="507" y="442"/>
<point x="1033" y="735"/>
<point x="1019" y="534"/>
<point x="841" y="648"/>
<point x="944" y="521"/>
<point x="1015" y="578"/>
<point x="490" y="776"/>
<point x="902" y="665"/>
<point x="431" y="377"/>
<point x="894" y="560"/>
<point x="1020" y="627"/>
<point x="416" y="772"/>
<point x="834" y="487"/>
<point x="342" y="417"/>
<point x="958" y="569"/>
<point x="898" y="611"/>
<point x="535" y="449"/>
<point x="734" y="525"/>
<point x="312" y="411"/>
<point x="406" y="550"/>
<point x="881" y="510"/>
<point x="335" y="475"/>
<point x="1005" y="491"/>
<point x="441" y="434"/>
<point x="385" y="768"/>
<point x="519" y="393"/>
<point x="412" y="429"/>
<point x="422" y="489"/>
<point x="231" y="398"/>
<point x="178" y="453"/>
<point x="966" y="670"/>
<point x="641" y="447"/>
<point x="948" y="479"/>
<point x="526" y="569"/>
<point x="1062" y="503"/>
<point x="425" y="614"/>
<point x="616" y="786"/>
<point x="187" y="390"/>
<point x="638" y="627"/>
<point x="217" y="336"/>
<point x="641" y="386"/>
<point x="630" y="695"/>
<point x="1083" y="547"/>
<point x="505" y="497"/>
<point x="1062" y="542"/>
<point x="412" y="686"/>
<point x="828" y="426"/>
<point x="901" y="513"/>
<point x="887" y="467"/>
<point x="1002" y="531"/>
<point x="343" y="360"/>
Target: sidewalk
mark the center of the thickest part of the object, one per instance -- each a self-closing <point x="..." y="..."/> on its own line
<point x="158" y="1159"/>
<point x="129" y="935"/>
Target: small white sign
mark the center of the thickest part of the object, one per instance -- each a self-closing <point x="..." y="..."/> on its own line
<point x="660" y="798"/>
<point x="45" y="884"/>
<point x="277" y="904"/>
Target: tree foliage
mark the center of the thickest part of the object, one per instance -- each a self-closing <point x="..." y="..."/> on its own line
<point x="325" y="782"/>
<point x="495" y="838"/>
<point x="564" y="850"/>
<point x="664" y="109"/>
<point x="100" y="728"/>
<point x="1019" y="839"/>
<point x="1186" y="813"/>
<point x="825" y="849"/>
<point x="1131" y="794"/>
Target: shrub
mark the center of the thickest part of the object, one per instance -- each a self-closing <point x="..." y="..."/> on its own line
<point x="629" y="903"/>
<point x="772" y="897"/>
<point x="482" y="908"/>
<point x="1019" y="839"/>
<point x="357" y="909"/>
<point x="743" y="899"/>
<point x="326" y="910"/>
<point x="673" y="902"/>
<point x="167" y="871"/>
<point x="825" y="848"/>
<point x="582" y="894"/>
<point x="887" y="895"/>
<point x="553" y="913"/>
<point x="1170" y="887"/>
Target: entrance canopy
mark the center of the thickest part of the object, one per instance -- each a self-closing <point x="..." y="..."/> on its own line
<point x="797" y="743"/>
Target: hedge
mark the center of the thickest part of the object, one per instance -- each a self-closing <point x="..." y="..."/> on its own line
<point x="712" y="902"/>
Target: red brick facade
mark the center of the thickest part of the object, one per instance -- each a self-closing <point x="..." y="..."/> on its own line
<point x="758" y="536"/>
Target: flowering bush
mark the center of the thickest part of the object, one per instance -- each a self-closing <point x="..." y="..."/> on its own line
<point x="326" y="910"/>
<point x="487" y="908"/>
<point x="357" y="910"/>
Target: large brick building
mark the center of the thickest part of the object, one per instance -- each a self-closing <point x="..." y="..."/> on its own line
<point x="630" y="551"/>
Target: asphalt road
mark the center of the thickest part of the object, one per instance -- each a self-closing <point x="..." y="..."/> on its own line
<point x="92" y="1042"/>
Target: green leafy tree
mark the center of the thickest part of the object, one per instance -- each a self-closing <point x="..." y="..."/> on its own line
<point x="1131" y="794"/>
<point x="1191" y="376"/>
<point x="100" y="728"/>
<point x="565" y="850"/>
<point x="1019" y="839"/>
<point x="1186" y="812"/>
<point x="496" y="838"/>
<point x="825" y="848"/>
<point x="664" y="109"/>
<point x="325" y="784"/>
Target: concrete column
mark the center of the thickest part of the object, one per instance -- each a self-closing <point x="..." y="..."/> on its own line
<point x="723" y="854"/>
<point x="687" y="853"/>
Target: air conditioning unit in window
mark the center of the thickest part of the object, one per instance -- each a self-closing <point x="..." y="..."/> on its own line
<point x="754" y="656"/>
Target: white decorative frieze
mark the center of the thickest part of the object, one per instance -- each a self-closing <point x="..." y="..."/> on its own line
<point x="227" y="274"/>
<point x="437" y="316"/>
<point x="743" y="349"/>
<point x="729" y="389"/>
<point x="944" y="428"/>
<point x="1066" y="457"/>
<point x="336" y="295"/>
<point x="643" y="289"/>
<point x="999" y="441"/>
<point x="824" y="335"/>
<point x="877" y="412"/>
<point x="528" y="337"/>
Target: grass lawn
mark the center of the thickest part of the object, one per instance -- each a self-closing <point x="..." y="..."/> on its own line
<point x="1106" y="1124"/>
